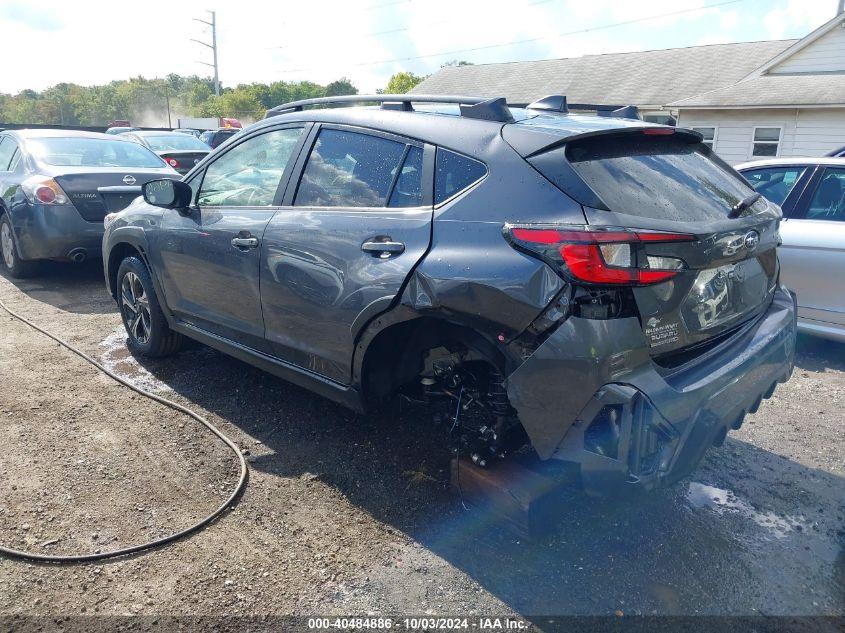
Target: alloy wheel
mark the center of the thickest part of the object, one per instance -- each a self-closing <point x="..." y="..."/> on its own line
<point x="6" y="245"/>
<point x="135" y="307"/>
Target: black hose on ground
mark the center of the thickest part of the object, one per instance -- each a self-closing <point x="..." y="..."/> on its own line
<point x="132" y="549"/>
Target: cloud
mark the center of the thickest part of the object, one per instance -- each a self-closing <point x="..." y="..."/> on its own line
<point x="37" y="18"/>
<point x="801" y="16"/>
<point x="322" y="40"/>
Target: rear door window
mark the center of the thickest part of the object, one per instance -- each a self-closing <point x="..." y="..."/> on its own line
<point x="349" y="169"/>
<point x="408" y="189"/>
<point x="453" y="173"/>
<point x="658" y="177"/>
<point x="774" y="182"/>
<point x="828" y="201"/>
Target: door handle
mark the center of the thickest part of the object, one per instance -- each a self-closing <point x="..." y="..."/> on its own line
<point x="245" y="242"/>
<point x="383" y="249"/>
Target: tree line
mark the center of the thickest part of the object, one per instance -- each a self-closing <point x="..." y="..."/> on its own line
<point x="159" y="102"/>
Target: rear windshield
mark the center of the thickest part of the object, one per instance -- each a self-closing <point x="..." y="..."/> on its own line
<point x="657" y="177"/>
<point x="92" y="152"/>
<point x="175" y="142"/>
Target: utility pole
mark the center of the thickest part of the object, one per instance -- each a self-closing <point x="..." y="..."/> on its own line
<point x="212" y="46"/>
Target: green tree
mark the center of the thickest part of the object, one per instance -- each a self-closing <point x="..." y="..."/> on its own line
<point x="342" y="86"/>
<point x="402" y="82"/>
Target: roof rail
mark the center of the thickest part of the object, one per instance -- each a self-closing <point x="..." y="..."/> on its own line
<point x="551" y="103"/>
<point x="483" y="108"/>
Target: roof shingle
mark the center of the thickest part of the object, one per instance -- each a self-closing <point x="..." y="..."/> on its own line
<point x="641" y="78"/>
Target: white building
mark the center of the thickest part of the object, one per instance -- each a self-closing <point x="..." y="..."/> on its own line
<point x="751" y="99"/>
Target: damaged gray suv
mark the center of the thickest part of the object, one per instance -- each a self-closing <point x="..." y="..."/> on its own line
<point x="603" y="290"/>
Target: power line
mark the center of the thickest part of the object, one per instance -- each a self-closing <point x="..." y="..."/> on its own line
<point x="533" y="39"/>
<point x="408" y="28"/>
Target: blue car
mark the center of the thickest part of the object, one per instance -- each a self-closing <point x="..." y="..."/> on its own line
<point x="58" y="185"/>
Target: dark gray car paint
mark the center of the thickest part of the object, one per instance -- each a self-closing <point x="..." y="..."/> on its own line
<point x="318" y="285"/>
<point x="469" y="275"/>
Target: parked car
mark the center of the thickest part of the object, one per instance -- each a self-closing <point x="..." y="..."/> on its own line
<point x="811" y="192"/>
<point x="120" y="129"/>
<point x="606" y="290"/>
<point x="56" y="186"/>
<point x="181" y="151"/>
<point x="191" y="131"/>
<point x="214" y="138"/>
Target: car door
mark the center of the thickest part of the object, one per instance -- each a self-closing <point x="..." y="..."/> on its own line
<point x="210" y="255"/>
<point x="813" y="253"/>
<point x="339" y="250"/>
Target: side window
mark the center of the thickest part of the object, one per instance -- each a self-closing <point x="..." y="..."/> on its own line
<point x="7" y="149"/>
<point x="453" y="173"/>
<point x="408" y="189"/>
<point x="248" y="175"/>
<point x="348" y="169"/>
<point x="828" y="201"/>
<point x="774" y="183"/>
<point x="766" y="141"/>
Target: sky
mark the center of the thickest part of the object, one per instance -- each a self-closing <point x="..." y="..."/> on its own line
<point x="93" y="41"/>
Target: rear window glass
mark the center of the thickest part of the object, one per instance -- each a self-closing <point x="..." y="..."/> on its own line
<point x="656" y="177"/>
<point x="453" y="173"/>
<point x="177" y="142"/>
<point x="92" y="152"/>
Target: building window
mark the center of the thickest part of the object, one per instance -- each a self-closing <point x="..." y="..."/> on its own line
<point x="766" y="141"/>
<point x="708" y="135"/>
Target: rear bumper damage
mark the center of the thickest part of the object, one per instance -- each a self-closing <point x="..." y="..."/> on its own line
<point x="627" y="421"/>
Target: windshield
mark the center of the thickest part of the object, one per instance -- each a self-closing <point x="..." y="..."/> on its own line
<point x="656" y="177"/>
<point x="176" y="141"/>
<point x="92" y="152"/>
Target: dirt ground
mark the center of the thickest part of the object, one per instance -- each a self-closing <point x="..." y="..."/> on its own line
<point x="351" y="515"/>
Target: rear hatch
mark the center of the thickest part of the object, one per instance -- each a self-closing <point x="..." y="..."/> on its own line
<point x="723" y="262"/>
<point x="96" y="193"/>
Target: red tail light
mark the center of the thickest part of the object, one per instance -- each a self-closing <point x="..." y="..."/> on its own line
<point x="659" y="131"/>
<point x="606" y="257"/>
<point x="172" y="162"/>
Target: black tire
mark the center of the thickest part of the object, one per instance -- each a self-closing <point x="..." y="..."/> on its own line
<point x="149" y="334"/>
<point x="12" y="262"/>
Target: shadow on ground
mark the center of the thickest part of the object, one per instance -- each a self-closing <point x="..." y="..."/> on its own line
<point x="75" y="288"/>
<point x="818" y="354"/>
<point x="755" y="532"/>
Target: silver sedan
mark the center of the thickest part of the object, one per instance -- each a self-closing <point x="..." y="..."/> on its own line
<point x="811" y="192"/>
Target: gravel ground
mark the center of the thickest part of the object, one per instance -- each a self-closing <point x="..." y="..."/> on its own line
<point x="350" y="515"/>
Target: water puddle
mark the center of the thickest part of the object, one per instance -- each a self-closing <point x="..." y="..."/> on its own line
<point x="116" y="358"/>
<point x="721" y="501"/>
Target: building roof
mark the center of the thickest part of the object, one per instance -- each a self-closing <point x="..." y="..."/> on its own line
<point x="642" y="78"/>
<point x="773" y="91"/>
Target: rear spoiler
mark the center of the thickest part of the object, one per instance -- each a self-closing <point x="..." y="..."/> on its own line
<point x="530" y="140"/>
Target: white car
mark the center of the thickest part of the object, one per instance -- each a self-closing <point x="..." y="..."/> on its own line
<point x="811" y="192"/>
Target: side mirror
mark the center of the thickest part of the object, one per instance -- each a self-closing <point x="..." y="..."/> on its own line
<point x="167" y="193"/>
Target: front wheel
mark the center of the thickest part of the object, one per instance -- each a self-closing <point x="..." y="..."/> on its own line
<point x="149" y="333"/>
<point x="17" y="267"/>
